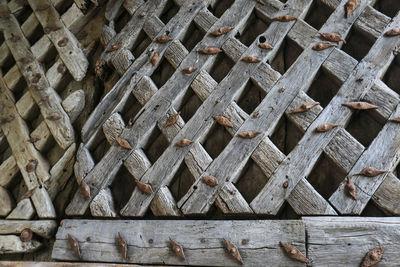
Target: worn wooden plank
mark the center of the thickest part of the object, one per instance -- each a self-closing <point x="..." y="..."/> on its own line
<point x="312" y="143"/>
<point x="382" y="153"/>
<point x="43" y="228"/>
<point x="299" y="76"/>
<point x="13" y="244"/>
<point x="387" y="196"/>
<point x="121" y="91"/>
<point x="69" y="51"/>
<point x="61" y="128"/>
<point x="261" y="245"/>
<point x="182" y="18"/>
<point x="344" y="149"/>
<point x="167" y="165"/>
<point x="17" y="134"/>
<point x="6" y="202"/>
<point x="331" y="240"/>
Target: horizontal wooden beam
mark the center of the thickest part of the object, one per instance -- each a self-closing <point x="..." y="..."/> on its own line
<point x="330" y="241"/>
<point x="202" y="241"/>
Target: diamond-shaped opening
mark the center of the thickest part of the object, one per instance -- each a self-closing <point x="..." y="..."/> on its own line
<point x="155" y="145"/>
<point x="163" y="72"/>
<point x="251" y="181"/>
<point x="63" y="6"/>
<point x="9" y="61"/>
<point x="187" y="104"/>
<point x="250" y="97"/>
<point x="318" y="14"/>
<point x="19" y="89"/>
<point x="392" y="77"/>
<point x="254" y="26"/>
<point x="54" y="154"/>
<point x="326" y="176"/>
<point x="35" y="35"/>
<point x="50" y="58"/>
<point x="122" y="20"/>
<point x="221" y="67"/>
<point x="371" y="210"/>
<point x="130" y="109"/>
<point x="99" y="146"/>
<point x="216" y="140"/>
<point x="358" y="44"/>
<point x="33" y="119"/>
<point x="388" y="7"/>
<point x="192" y="37"/>
<point x="141" y="43"/>
<point x="324" y="87"/>
<point x="181" y="182"/>
<point x="287" y="213"/>
<point x="286" y="135"/>
<point x="64" y="197"/>
<point x="169" y="11"/>
<point x="218" y="7"/>
<point x="16" y="185"/>
<point x="365" y="125"/>
<point x="122" y="187"/>
<point x="23" y="14"/>
<point x="5" y="150"/>
<point x="288" y="52"/>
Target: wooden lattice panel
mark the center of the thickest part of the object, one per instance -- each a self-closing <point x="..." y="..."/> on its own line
<point x="127" y="139"/>
<point x="44" y="81"/>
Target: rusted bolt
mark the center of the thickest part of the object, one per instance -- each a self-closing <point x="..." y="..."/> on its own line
<point x="26" y="235"/>
<point x="244" y="241"/>
<point x="282" y="89"/>
<point x="203" y="240"/>
<point x="151" y="241"/>
<point x="285" y="184"/>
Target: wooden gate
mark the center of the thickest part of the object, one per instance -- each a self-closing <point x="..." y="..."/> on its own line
<point x="209" y="110"/>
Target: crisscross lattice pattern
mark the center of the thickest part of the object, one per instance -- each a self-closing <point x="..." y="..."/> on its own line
<point x="126" y="137"/>
<point x="44" y="82"/>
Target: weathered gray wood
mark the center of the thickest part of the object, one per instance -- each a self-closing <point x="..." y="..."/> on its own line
<point x="43" y="228"/>
<point x="333" y="113"/>
<point x="230" y="201"/>
<point x="120" y="91"/>
<point x="331" y="240"/>
<point x="344" y="149"/>
<point x="304" y="119"/>
<point x="23" y="211"/>
<point x="144" y="90"/>
<point x="61" y="172"/>
<point x="8" y="170"/>
<point x="208" y="109"/>
<point x="7" y="203"/>
<point x="164" y="204"/>
<point x="304" y="199"/>
<point x="70" y="53"/>
<point x="237" y="148"/>
<point x="372" y="22"/>
<point x="205" y="19"/>
<point x="113" y="127"/>
<point x="382" y="96"/>
<point x="103" y="204"/>
<point x="260" y="248"/>
<point x="185" y="16"/>
<point x="61" y="129"/>
<point x="122" y="60"/>
<point x="175" y="53"/>
<point x="387" y="196"/>
<point x="84" y="162"/>
<point x="382" y="153"/>
<point x="13" y="244"/>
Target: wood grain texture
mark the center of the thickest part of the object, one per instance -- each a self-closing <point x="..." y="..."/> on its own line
<point x="262" y="246"/>
<point x="348" y="239"/>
